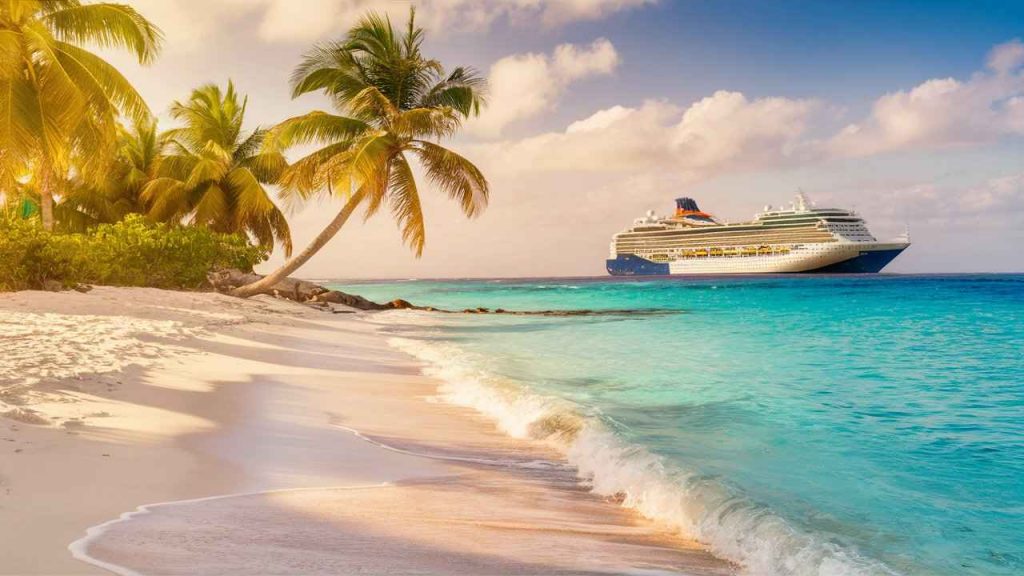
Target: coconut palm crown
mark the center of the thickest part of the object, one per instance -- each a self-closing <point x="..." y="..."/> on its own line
<point x="393" y="104"/>
<point x="214" y="174"/>
<point x="111" y="196"/>
<point x="58" y="99"/>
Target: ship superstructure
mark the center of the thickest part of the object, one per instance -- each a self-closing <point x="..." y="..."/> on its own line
<point x="801" y="238"/>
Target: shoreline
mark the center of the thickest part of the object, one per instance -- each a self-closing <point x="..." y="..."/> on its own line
<point x="276" y="411"/>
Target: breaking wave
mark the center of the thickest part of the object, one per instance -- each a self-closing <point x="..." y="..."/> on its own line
<point x="695" y="506"/>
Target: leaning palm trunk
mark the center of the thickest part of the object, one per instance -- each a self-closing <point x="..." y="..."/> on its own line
<point x="295" y="262"/>
<point x="395" y="102"/>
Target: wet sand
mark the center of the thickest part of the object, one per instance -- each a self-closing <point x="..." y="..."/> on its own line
<point x="280" y="440"/>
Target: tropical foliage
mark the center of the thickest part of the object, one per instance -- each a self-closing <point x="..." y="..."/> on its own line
<point x="58" y="101"/>
<point x="116" y="193"/>
<point x="393" y="104"/>
<point x="92" y="191"/>
<point x="214" y="174"/>
<point x="132" y="252"/>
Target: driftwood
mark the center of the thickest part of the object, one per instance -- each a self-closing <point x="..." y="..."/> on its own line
<point x="314" y="294"/>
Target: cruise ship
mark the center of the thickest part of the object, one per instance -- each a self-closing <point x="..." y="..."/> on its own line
<point x="801" y="238"/>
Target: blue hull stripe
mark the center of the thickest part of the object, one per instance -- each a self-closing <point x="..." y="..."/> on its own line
<point x="866" y="263"/>
<point x="630" y="265"/>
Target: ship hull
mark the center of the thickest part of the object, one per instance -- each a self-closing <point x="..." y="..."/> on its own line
<point x="868" y="262"/>
<point x="842" y="258"/>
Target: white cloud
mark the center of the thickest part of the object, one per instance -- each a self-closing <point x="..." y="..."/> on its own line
<point x="1006" y="57"/>
<point x="944" y="112"/>
<point x="572" y="62"/>
<point x="190" y="23"/>
<point x="558" y="12"/>
<point x="992" y="203"/>
<point x="723" y="131"/>
<point x="285" y="21"/>
<point x="524" y="85"/>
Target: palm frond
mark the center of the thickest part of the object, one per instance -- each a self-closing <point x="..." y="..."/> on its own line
<point x="281" y="231"/>
<point x="463" y="90"/>
<point x="107" y="25"/>
<point x="267" y="167"/>
<point x="11" y="53"/>
<point x="330" y="67"/>
<point x="373" y="105"/>
<point x="440" y="122"/>
<point x="404" y="200"/>
<point x="105" y="86"/>
<point x="314" y="127"/>
<point x="250" y="145"/>
<point x="315" y="174"/>
<point x="211" y="204"/>
<point x="167" y="199"/>
<point x="455" y="175"/>
<point x="19" y="124"/>
<point x="254" y="210"/>
<point x="366" y="167"/>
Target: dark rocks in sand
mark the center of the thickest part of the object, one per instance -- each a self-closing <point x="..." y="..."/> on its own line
<point x="83" y="288"/>
<point x="52" y="286"/>
<point x="300" y="291"/>
<point x="585" y="312"/>
<point x="352" y="300"/>
<point x="319" y="296"/>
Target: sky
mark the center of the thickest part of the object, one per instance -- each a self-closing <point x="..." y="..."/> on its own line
<point x="910" y="112"/>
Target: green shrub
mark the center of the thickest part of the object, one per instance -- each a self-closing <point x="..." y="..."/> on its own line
<point x="132" y="252"/>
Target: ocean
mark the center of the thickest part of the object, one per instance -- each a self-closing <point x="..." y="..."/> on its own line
<point x="825" y="425"/>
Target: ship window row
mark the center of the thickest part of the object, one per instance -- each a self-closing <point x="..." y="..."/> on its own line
<point x="738" y="240"/>
<point x="815" y="214"/>
<point x="733" y="241"/>
<point x="741" y="252"/>
<point x="699" y="233"/>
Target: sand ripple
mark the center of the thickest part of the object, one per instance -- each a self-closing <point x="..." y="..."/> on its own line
<point x="41" y="347"/>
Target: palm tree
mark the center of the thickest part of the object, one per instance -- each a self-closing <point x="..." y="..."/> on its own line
<point x="214" y="174"/>
<point x="393" y="103"/>
<point x="58" y="99"/>
<point x="109" y="197"/>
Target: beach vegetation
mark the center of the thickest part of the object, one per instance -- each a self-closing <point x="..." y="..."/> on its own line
<point x="392" y="105"/>
<point x="130" y="252"/>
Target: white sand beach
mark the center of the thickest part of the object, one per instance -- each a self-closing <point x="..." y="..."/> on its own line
<point x="262" y="436"/>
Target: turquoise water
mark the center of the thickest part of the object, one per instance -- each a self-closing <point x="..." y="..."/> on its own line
<point x="798" y="425"/>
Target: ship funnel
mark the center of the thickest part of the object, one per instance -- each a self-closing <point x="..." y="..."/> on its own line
<point x="686" y="205"/>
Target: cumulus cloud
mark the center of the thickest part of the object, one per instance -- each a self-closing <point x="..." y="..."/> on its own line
<point x="188" y="23"/>
<point x="944" y="112"/>
<point x="524" y="85"/>
<point x="556" y="12"/>
<point x="991" y="203"/>
<point x="729" y="131"/>
<point x="723" y="131"/>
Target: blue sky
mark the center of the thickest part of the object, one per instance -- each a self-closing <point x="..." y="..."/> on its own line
<point x="912" y="112"/>
<point x="847" y="51"/>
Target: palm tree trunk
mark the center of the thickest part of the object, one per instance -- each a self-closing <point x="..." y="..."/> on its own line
<point x="46" y="199"/>
<point x="299" y="259"/>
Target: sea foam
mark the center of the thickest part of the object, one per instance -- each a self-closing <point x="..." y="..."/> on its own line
<point x="695" y="506"/>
